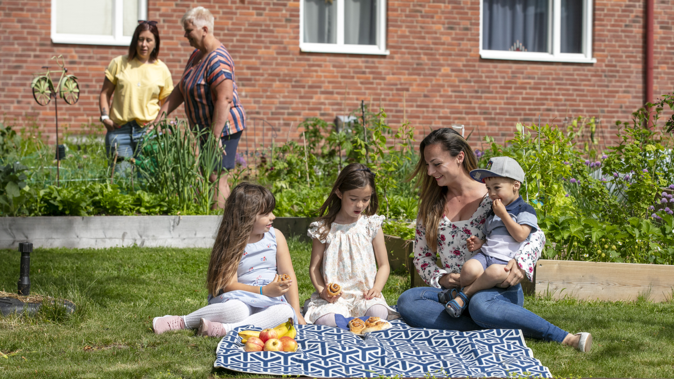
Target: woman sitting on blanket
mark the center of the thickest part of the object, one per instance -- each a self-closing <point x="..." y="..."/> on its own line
<point x="453" y="208"/>
<point x="348" y="250"/>
<point x="243" y="275"/>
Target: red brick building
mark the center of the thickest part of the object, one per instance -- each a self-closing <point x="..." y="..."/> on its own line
<point x="429" y="60"/>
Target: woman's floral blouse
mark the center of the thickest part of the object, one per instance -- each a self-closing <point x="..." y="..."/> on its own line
<point x="453" y="251"/>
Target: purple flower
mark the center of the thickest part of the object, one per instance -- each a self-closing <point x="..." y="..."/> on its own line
<point x="671" y="186"/>
<point x="670" y="212"/>
<point x="603" y="180"/>
<point x="567" y="195"/>
<point x="597" y="163"/>
<point x="645" y="170"/>
<point x="671" y="200"/>
<point x="669" y="196"/>
<point x="663" y="201"/>
<point x="573" y="180"/>
<point x="615" y="175"/>
<point x="627" y="177"/>
<point x="478" y="153"/>
<point x="604" y="156"/>
<point x="587" y="163"/>
<point x="566" y="163"/>
<point x="664" y="194"/>
<point x="654" y="215"/>
<point x="667" y="209"/>
<point x="239" y="159"/>
<point x="651" y="208"/>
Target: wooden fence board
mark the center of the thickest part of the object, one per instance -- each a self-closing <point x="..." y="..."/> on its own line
<point x="604" y="281"/>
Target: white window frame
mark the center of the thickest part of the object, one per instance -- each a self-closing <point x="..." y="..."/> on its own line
<point x="554" y="39"/>
<point x="340" y="47"/>
<point x="117" y="39"/>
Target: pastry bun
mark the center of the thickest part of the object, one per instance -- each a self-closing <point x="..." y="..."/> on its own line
<point x="334" y="289"/>
<point x="284" y="277"/>
<point x="356" y="326"/>
<point x="379" y="325"/>
<point x="372" y="321"/>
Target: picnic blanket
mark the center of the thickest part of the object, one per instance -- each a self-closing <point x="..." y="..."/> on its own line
<point x="403" y="351"/>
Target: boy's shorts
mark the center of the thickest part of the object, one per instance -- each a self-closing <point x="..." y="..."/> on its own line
<point x="487" y="261"/>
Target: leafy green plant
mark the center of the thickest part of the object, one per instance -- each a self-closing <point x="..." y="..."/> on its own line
<point x="14" y="192"/>
<point x="177" y="163"/>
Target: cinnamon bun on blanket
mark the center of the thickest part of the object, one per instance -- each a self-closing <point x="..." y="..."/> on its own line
<point x="356" y="326"/>
<point x="379" y="325"/>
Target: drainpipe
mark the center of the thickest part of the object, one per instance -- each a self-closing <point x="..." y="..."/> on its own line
<point x="650" y="23"/>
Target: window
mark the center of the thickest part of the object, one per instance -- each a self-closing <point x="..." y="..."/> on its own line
<point x="343" y="26"/>
<point x="537" y="30"/>
<point x="99" y="22"/>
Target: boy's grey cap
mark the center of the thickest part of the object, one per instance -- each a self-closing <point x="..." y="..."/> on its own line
<point x="502" y="167"/>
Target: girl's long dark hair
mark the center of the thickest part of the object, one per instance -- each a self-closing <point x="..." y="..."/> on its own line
<point x="433" y="197"/>
<point x="353" y="176"/>
<point x="241" y="208"/>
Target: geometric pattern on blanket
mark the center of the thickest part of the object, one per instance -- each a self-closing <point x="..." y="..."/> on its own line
<point x="400" y="351"/>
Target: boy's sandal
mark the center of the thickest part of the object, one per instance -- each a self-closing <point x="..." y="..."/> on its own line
<point x="585" y="343"/>
<point x="453" y="308"/>
<point x="445" y="296"/>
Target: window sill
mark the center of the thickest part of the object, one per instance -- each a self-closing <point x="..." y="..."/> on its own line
<point x="90" y="40"/>
<point x="342" y="49"/>
<point x="536" y="57"/>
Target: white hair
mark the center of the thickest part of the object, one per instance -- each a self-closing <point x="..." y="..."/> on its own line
<point x="199" y="17"/>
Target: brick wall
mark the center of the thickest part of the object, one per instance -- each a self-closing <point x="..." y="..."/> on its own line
<point x="433" y="68"/>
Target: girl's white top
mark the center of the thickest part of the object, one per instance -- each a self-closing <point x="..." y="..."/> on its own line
<point x="349" y="261"/>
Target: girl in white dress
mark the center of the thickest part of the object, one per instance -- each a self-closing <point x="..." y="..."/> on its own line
<point x="348" y="250"/>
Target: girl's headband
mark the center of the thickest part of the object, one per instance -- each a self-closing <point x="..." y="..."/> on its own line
<point x="367" y="169"/>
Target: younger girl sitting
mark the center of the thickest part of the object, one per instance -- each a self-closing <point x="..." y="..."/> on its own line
<point x="248" y="258"/>
<point x="346" y="240"/>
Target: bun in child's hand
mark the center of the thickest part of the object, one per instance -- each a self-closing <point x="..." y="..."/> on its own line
<point x="333" y="289"/>
<point x="284" y="277"/>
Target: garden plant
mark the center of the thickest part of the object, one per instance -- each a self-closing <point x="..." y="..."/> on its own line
<point x="609" y="204"/>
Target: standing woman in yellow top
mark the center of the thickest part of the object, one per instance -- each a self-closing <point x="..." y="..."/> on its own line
<point x="137" y="84"/>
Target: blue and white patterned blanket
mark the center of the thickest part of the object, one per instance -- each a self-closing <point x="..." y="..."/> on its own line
<point x="400" y="351"/>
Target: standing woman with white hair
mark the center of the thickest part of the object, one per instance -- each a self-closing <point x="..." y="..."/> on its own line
<point x="209" y="91"/>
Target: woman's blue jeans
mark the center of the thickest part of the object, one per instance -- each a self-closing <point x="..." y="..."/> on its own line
<point x="495" y="308"/>
<point x="126" y="142"/>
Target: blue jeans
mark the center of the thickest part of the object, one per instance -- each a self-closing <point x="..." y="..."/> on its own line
<point x="126" y="141"/>
<point x="495" y="308"/>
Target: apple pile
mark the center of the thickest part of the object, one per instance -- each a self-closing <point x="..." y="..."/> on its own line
<point x="269" y="341"/>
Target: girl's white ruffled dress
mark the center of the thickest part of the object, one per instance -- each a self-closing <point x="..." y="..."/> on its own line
<point x="349" y="261"/>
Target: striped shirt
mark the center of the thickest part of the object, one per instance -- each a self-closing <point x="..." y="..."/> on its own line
<point x="500" y="244"/>
<point x="196" y="85"/>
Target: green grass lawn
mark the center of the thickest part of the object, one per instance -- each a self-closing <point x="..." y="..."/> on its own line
<point x="119" y="291"/>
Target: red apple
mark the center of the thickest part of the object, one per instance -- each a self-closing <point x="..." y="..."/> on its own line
<point x="253" y="344"/>
<point x="273" y="344"/>
<point x="268" y="334"/>
<point x="288" y="344"/>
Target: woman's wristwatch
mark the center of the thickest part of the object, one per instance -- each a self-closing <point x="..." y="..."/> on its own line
<point x="104" y="117"/>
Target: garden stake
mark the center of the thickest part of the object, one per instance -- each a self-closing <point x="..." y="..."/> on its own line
<point x="306" y="157"/>
<point x="58" y="158"/>
<point x="25" y="248"/>
<point x="114" y="162"/>
<point x="362" y="111"/>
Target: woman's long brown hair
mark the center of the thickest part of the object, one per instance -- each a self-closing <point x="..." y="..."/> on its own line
<point x="433" y="197"/>
<point x="241" y="208"/>
<point x="353" y="176"/>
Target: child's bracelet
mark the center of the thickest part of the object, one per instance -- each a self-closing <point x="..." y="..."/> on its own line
<point x="261" y="291"/>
